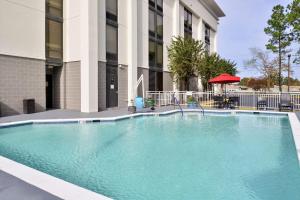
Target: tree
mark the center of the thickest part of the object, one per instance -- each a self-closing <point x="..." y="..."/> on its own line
<point x="293" y="17"/>
<point x="266" y="66"/>
<point x="293" y="82"/>
<point x="213" y="65"/>
<point x="257" y="84"/>
<point x="280" y="39"/>
<point x="183" y="55"/>
<point x="244" y="81"/>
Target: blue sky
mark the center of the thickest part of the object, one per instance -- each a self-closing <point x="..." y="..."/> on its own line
<point x="243" y="28"/>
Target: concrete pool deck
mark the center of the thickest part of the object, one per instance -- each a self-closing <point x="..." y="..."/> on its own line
<point x="71" y="114"/>
<point x="16" y="184"/>
<point x="14" y="188"/>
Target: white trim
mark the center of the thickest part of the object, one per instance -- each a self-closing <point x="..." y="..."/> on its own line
<point x="103" y="119"/>
<point x="295" y="125"/>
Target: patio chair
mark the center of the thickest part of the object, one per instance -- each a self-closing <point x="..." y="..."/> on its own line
<point x="285" y="103"/>
<point x="234" y="102"/>
<point x="218" y="101"/>
<point x="261" y="103"/>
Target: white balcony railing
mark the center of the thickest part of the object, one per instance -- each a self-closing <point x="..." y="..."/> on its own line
<point x="246" y="100"/>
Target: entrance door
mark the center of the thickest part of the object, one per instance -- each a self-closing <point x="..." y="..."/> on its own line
<point x="49" y="92"/>
<point x="111" y="86"/>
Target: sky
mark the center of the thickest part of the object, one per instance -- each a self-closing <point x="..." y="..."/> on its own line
<point x="243" y="28"/>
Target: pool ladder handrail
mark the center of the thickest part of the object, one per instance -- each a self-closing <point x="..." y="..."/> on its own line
<point x="202" y="109"/>
<point x="178" y="104"/>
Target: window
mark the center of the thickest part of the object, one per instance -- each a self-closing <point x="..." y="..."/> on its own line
<point x="188" y="24"/>
<point x="159" y="61"/>
<point x="54" y="8"/>
<point x="159" y="27"/>
<point x="112" y="10"/>
<point x="152" y="53"/>
<point x="54" y="40"/>
<point x="207" y="38"/>
<point x="152" y="3"/>
<point x="152" y="23"/>
<point x="155" y="80"/>
<point x="159" y="5"/>
<point x="112" y="53"/>
<point x="111" y="42"/>
<point x="155" y="44"/>
<point x="54" y="32"/>
<point x="112" y="31"/>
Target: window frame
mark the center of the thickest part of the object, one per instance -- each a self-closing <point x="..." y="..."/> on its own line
<point x="155" y="67"/>
<point x="57" y="19"/>
<point x="188" y="27"/>
<point x="207" y="29"/>
<point x="112" y="21"/>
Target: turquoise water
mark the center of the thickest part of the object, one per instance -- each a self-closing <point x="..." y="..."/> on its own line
<point x="218" y="157"/>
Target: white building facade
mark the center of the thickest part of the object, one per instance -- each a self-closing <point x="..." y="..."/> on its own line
<point x="88" y="54"/>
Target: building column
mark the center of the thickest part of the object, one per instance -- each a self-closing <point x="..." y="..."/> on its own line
<point x="132" y="50"/>
<point x="176" y="28"/>
<point x="176" y="18"/>
<point x="89" y="55"/>
<point x="215" y="40"/>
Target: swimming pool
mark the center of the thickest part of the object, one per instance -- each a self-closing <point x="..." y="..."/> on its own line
<point x="216" y="156"/>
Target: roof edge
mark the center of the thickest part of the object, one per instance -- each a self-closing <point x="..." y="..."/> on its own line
<point x="214" y="7"/>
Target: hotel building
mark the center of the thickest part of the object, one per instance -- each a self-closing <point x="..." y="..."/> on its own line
<point x="87" y="55"/>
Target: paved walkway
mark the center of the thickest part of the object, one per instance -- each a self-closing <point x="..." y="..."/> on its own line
<point x="70" y="114"/>
<point x="298" y="115"/>
<point x="12" y="188"/>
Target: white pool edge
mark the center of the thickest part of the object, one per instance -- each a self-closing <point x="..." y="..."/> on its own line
<point x="66" y="190"/>
<point x="105" y="119"/>
<point x="295" y="125"/>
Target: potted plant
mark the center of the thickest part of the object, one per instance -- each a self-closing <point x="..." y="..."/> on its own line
<point x="191" y="102"/>
<point x="132" y="108"/>
<point x="150" y="103"/>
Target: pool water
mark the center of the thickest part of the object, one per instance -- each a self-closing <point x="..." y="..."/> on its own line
<point x="219" y="157"/>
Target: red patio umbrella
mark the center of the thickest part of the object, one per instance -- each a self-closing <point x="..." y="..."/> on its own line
<point x="224" y="79"/>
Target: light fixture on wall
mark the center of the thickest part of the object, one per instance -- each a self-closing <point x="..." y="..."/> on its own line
<point x="121" y="66"/>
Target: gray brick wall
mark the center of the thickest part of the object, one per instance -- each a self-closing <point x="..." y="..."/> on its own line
<point x="66" y="86"/>
<point x="72" y="85"/>
<point x="123" y="86"/>
<point x="21" y="78"/>
<point x="167" y="81"/>
<point x="145" y="72"/>
<point x="102" y="85"/>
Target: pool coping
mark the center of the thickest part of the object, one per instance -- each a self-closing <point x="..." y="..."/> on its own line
<point x="66" y="190"/>
<point x="118" y="118"/>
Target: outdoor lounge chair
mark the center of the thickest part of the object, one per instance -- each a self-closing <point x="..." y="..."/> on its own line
<point x="233" y="102"/>
<point x="261" y="103"/>
<point x="218" y="101"/>
<point x="285" y="103"/>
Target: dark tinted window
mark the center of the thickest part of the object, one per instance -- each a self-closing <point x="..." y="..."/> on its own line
<point x="207" y="38"/>
<point x="155" y="44"/>
<point x="112" y="31"/>
<point x="54" y="31"/>
<point x="54" y="8"/>
<point x="188" y="23"/>
<point x="152" y="53"/>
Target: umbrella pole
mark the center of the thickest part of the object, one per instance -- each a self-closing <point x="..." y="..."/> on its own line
<point x="225" y="91"/>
